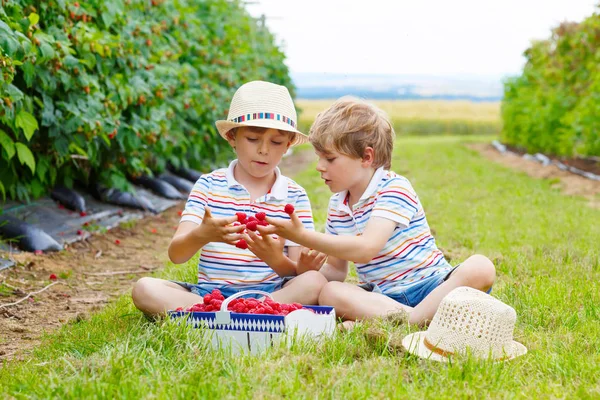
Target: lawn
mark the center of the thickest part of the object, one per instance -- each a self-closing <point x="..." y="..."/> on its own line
<point x="544" y="245"/>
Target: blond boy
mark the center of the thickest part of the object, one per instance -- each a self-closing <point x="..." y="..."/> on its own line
<point x="376" y="220"/>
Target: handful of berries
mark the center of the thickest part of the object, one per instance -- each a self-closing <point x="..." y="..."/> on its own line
<point x="253" y="222"/>
<point x="214" y="300"/>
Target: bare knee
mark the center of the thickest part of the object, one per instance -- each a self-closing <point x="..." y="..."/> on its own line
<point x="315" y="279"/>
<point x="142" y="289"/>
<point x="478" y="272"/>
<point x="330" y="293"/>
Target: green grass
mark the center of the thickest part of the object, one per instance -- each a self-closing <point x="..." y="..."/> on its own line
<point x="545" y="247"/>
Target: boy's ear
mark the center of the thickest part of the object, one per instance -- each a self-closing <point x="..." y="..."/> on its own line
<point x="368" y="156"/>
<point x="231" y="137"/>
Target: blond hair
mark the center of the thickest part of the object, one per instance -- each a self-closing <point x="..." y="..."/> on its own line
<point x="349" y="126"/>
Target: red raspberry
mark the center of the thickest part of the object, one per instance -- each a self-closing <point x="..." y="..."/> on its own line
<point x="53" y="277"/>
<point x="241" y="244"/>
<point x="241" y="217"/>
<point x="261" y="216"/>
<point x="289" y="209"/>
<point x="252" y="225"/>
<point x="79" y="232"/>
<point x="82" y="214"/>
<point x="117" y="241"/>
<point x="263" y="223"/>
<point x="207" y="298"/>
<point x="250" y="219"/>
<point x="179" y="309"/>
<point x="209" y="308"/>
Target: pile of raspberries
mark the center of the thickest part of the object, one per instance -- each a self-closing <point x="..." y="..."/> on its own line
<point x="214" y="300"/>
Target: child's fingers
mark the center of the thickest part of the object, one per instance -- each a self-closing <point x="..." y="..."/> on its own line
<point x="252" y="235"/>
<point x="320" y="259"/>
<point x="234" y="229"/>
<point x="275" y="221"/>
<point x="207" y="213"/>
<point x="295" y="219"/>
<point x="232" y="238"/>
<point x="266" y="230"/>
<point x="227" y="221"/>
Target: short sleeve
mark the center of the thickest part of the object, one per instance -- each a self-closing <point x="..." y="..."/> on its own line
<point x="197" y="200"/>
<point x="396" y="201"/>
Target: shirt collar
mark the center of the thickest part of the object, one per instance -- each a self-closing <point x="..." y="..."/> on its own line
<point x="371" y="188"/>
<point x="278" y="191"/>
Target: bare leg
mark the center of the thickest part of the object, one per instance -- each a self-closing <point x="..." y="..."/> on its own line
<point x="304" y="289"/>
<point x="155" y="296"/>
<point x="353" y="303"/>
<point x="476" y="271"/>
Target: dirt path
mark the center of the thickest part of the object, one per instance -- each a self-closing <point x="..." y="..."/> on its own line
<point x="90" y="274"/>
<point x="569" y="183"/>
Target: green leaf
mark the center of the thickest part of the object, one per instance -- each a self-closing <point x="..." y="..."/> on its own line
<point x="34" y="18"/>
<point x="25" y="156"/>
<point x="3" y="191"/>
<point x="7" y="144"/>
<point x="47" y="51"/>
<point x="27" y="122"/>
<point x="75" y="148"/>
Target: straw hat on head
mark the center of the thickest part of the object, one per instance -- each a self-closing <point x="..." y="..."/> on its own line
<point x="265" y="105"/>
<point x="468" y="320"/>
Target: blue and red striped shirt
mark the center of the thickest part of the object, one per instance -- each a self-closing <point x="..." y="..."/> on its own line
<point x="224" y="264"/>
<point x="410" y="254"/>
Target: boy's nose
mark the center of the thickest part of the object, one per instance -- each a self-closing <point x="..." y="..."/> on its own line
<point x="320" y="166"/>
<point x="263" y="149"/>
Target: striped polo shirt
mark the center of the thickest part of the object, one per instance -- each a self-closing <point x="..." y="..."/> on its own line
<point x="410" y="254"/>
<point x="224" y="264"/>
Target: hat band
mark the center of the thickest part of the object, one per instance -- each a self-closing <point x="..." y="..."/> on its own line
<point x="436" y="349"/>
<point x="273" y="116"/>
<point x="445" y="353"/>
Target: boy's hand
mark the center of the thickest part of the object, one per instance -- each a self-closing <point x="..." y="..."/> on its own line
<point x="310" y="260"/>
<point x="265" y="247"/>
<point x="290" y="229"/>
<point x="217" y="230"/>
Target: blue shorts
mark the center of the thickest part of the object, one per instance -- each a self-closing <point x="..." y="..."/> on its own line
<point x="204" y="288"/>
<point x="414" y="294"/>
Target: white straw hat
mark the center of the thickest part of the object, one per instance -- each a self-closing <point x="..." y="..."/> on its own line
<point x="262" y="104"/>
<point x="468" y="320"/>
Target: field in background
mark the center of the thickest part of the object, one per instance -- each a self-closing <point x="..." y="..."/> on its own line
<point x="425" y="117"/>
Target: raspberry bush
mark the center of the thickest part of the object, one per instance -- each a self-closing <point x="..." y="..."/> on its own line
<point x="109" y="89"/>
<point x="553" y="106"/>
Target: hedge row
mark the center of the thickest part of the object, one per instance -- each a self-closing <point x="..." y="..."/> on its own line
<point x="553" y="107"/>
<point x="108" y="89"/>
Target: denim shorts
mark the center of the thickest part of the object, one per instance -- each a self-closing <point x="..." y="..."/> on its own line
<point x="204" y="288"/>
<point x="414" y="294"/>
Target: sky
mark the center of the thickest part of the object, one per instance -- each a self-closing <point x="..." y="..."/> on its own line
<point x="427" y="37"/>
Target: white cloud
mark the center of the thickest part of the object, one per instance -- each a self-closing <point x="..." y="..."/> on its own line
<point x="435" y="37"/>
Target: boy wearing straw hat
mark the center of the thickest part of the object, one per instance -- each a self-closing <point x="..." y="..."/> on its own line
<point x="376" y="220"/>
<point x="261" y="127"/>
